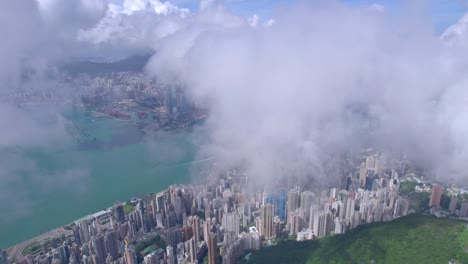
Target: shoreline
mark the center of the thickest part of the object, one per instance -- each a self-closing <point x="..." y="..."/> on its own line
<point x="14" y="233"/>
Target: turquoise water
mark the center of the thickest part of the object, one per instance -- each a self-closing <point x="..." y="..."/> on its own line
<point x="120" y="164"/>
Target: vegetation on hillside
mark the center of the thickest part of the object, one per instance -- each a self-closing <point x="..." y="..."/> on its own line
<point x="411" y="239"/>
<point x="419" y="201"/>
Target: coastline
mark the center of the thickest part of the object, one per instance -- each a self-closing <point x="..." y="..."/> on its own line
<point x="115" y="172"/>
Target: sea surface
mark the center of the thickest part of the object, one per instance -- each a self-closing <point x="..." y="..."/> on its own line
<point x="123" y="162"/>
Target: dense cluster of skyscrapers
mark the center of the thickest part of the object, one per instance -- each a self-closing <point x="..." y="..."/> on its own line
<point x="135" y="86"/>
<point x="222" y="219"/>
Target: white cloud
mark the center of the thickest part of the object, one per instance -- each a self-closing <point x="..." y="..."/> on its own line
<point x="457" y="34"/>
<point x="377" y="7"/>
<point x="324" y="80"/>
<point x="253" y="21"/>
<point x="284" y="98"/>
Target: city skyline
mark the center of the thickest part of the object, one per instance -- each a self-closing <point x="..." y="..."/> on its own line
<point x="223" y="218"/>
<point x="185" y="131"/>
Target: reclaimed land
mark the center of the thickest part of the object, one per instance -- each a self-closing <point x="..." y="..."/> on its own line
<point x="411" y="239"/>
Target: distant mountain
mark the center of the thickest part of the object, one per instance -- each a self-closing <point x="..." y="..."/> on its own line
<point x="410" y="239"/>
<point x="130" y="64"/>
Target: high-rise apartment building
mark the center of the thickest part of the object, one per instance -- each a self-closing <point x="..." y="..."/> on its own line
<point x="267" y="221"/>
<point x="464" y="210"/>
<point x="130" y="257"/>
<point x="100" y="248"/>
<point x="213" y="248"/>
<point x="453" y="204"/>
<point x="196" y="229"/>
<point x="293" y="200"/>
<point x="84" y="231"/>
<point x="436" y="195"/>
<point x="3" y="257"/>
<point x="119" y="212"/>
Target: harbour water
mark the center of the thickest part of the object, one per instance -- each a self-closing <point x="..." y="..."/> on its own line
<point x="119" y="164"/>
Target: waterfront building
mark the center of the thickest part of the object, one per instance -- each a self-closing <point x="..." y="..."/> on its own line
<point x="84" y="231"/>
<point x="119" y="212"/>
<point x="161" y="201"/>
<point x="3" y="257"/>
<point x="226" y="202"/>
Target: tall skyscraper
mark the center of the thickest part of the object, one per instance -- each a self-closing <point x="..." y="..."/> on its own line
<point x="436" y="195"/>
<point x="306" y="202"/>
<point x="196" y="228"/>
<point x="349" y="212"/>
<point x="294" y="223"/>
<point x="192" y="250"/>
<point x="453" y="204"/>
<point x="362" y="175"/>
<point x="370" y="162"/>
<point x="339" y="226"/>
<point x="130" y="257"/>
<point x="154" y="210"/>
<point x="464" y="210"/>
<point x="401" y="207"/>
<point x="293" y="200"/>
<point x="160" y="201"/>
<point x="206" y="230"/>
<point x="63" y="254"/>
<point x="3" y="257"/>
<point x="230" y="223"/>
<point x="119" y="212"/>
<point x="267" y="221"/>
<point x="170" y="255"/>
<point x="293" y="203"/>
<point x="320" y="224"/>
<point x="111" y="244"/>
<point x="84" y="231"/>
<point x="180" y="100"/>
<point x="168" y="100"/>
<point x="151" y="259"/>
<point x="282" y="205"/>
<point x="273" y="199"/>
<point x="99" y="248"/>
<point x="213" y="249"/>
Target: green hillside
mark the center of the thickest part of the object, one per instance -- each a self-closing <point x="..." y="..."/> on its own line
<point x="410" y="239"/>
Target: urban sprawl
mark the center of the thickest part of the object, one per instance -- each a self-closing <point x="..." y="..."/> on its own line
<point x="224" y="219"/>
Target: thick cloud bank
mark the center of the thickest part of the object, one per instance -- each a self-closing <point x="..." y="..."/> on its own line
<point x="325" y="79"/>
<point x="287" y="96"/>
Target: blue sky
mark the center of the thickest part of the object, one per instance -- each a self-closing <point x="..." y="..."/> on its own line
<point x="443" y="13"/>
